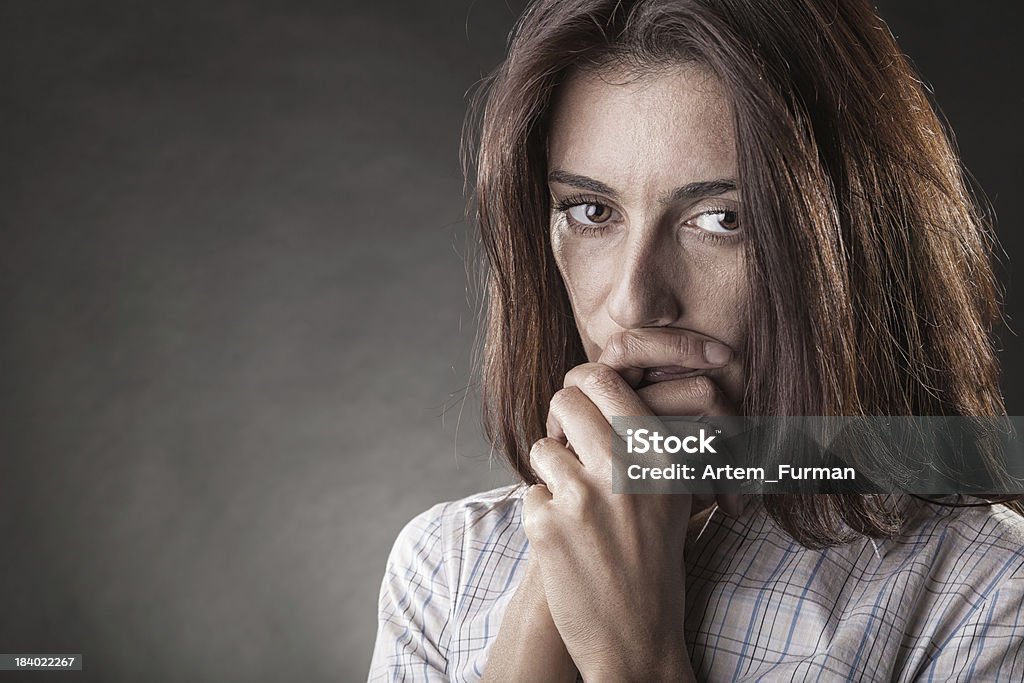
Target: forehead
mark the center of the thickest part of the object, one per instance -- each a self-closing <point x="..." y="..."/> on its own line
<point x="643" y="133"/>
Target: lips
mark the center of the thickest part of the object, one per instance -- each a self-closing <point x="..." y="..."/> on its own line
<point x="666" y="373"/>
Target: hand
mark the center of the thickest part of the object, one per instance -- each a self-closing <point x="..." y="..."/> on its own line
<point x="632" y="351"/>
<point x="612" y="564"/>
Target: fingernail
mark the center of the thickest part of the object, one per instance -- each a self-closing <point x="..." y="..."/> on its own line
<point x="716" y="353"/>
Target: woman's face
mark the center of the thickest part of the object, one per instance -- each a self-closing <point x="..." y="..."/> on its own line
<point x="642" y="176"/>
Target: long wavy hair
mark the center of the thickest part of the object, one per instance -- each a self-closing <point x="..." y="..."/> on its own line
<point x="871" y="261"/>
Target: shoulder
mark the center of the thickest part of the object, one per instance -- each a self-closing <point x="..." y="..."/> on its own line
<point x="442" y="540"/>
<point x="996" y="523"/>
<point x="957" y="556"/>
<point x="983" y="543"/>
<point x="968" y="559"/>
<point x="473" y="516"/>
<point x="980" y="550"/>
<point x="979" y="560"/>
<point x="444" y="567"/>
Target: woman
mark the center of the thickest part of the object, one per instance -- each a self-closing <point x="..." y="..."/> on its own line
<point x="701" y="208"/>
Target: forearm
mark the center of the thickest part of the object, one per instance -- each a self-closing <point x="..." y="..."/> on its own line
<point x="528" y="647"/>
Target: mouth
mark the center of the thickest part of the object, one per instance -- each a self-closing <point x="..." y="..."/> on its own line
<point x="667" y="373"/>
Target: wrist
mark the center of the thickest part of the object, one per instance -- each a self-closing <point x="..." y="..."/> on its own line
<point x="673" y="666"/>
<point x="528" y="647"/>
<point x="668" y="664"/>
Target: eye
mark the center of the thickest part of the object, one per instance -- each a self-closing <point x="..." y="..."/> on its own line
<point x="717" y="220"/>
<point x="590" y="213"/>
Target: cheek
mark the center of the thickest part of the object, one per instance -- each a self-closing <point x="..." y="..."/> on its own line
<point x="586" y="276"/>
<point x="720" y="292"/>
<point x="719" y="301"/>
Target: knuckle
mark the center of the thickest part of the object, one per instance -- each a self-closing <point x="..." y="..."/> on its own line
<point x="620" y="346"/>
<point x="701" y="388"/>
<point x="563" y="400"/>
<point x="537" y="522"/>
<point x="601" y="379"/>
<point x="579" y="498"/>
<point x="533" y="501"/>
<point x="612" y="348"/>
<point x="576" y="374"/>
<point x="542" y="451"/>
<point x="686" y="345"/>
<point x="538" y="449"/>
<point x="632" y="343"/>
<point x="537" y="457"/>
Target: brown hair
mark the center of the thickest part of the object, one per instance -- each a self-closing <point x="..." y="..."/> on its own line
<point x="866" y="309"/>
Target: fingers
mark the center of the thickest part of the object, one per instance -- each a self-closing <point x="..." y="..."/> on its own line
<point x="555" y="464"/>
<point x="632" y="351"/>
<point x="574" y="417"/>
<point x="698" y="396"/>
<point x="537" y="495"/>
<point x="606" y="389"/>
<point x="581" y="413"/>
<point x="534" y="504"/>
<point x="695" y="396"/>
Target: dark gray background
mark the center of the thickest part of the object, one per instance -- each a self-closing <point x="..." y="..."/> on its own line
<point x="235" y="324"/>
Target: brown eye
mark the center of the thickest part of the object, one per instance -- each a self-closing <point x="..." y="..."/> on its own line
<point x="729" y="220"/>
<point x="590" y="214"/>
<point x="717" y="221"/>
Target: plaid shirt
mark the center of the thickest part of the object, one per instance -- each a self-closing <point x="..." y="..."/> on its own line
<point x="942" y="602"/>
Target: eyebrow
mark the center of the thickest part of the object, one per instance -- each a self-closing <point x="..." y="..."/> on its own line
<point x="688" y="192"/>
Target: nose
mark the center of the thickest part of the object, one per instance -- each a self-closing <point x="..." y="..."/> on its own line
<point x="644" y="291"/>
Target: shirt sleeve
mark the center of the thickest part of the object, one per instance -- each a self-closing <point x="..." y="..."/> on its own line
<point x="414" y="605"/>
<point x="989" y="645"/>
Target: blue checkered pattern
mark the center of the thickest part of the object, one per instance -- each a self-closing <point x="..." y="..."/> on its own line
<point x="943" y="602"/>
